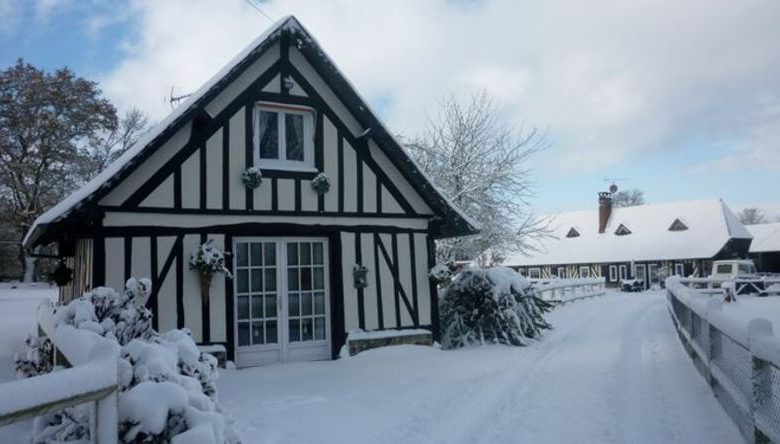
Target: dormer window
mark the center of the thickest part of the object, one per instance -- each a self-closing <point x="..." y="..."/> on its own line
<point x="573" y="233"/>
<point x="284" y="137"/>
<point x="677" y="225"/>
<point x="622" y="230"/>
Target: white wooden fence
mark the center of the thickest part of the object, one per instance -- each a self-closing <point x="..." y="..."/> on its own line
<point x="568" y="290"/>
<point x="762" y="286"/>
<point x="92" y="381"/>
<point x="741" y="365"/>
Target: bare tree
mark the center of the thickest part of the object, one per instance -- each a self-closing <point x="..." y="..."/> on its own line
<point x="107" y="146"/>
<point x="752" y="216"/>
<point x="46" y="120"/>
<point x="628" y="198"/>
<point x="480" y="163"/>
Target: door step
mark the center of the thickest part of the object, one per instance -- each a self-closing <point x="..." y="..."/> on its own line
<point x="360" y="340"/>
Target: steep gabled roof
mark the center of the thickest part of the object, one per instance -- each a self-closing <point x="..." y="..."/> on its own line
<point x="711" y="224"/>
<point x="452" y="221"/>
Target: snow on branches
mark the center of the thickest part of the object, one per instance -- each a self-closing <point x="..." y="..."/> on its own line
<point x="167" y="387"/>
<point x="491" y="305"/>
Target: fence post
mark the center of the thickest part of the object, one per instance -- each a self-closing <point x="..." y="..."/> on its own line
<point x="107" y="419"/>
<point x="758" y="330"/>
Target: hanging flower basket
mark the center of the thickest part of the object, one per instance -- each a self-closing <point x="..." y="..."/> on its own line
<point x="62" y="275"/>
<point x="321" y="183"/>
<point x="252" y="177"/>
<point x="208" y="260"/>
<point x="360" y="275"/>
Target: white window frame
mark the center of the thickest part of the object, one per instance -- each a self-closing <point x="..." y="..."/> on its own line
<point x="679" y="269"/>
<point x="613" y="275"/>
<point x="532" y="271"/>
<point x="281" y="163"/>
<point x="623" y="272"/>
<point x="587" y="272"/>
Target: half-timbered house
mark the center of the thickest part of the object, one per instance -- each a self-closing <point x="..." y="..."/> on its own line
<point x="645" y="242"/>
<point x="283" y="106"/>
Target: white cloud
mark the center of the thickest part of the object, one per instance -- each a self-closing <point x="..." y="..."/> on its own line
<point x="609" y="79"/>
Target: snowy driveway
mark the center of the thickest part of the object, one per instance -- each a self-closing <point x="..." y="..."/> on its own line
<point x="613" y="370"/>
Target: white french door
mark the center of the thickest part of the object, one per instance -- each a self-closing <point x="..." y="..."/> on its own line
<point x="282" y="300"/>
<point x="640" y="273"/>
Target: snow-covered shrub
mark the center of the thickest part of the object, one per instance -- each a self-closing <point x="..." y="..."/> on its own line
<point x="321" y="183"/>
<point x="37" y="359"/>
<point x="252" y="177"/>
<point x="167" y="387"/>
<point x="491" y="305"/>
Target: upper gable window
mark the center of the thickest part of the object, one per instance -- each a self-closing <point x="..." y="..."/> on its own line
<point x="284" y="137"/>
<point x="573" y="233"/>
<point x="677" y="225"/>
<point x="622" y="230"/>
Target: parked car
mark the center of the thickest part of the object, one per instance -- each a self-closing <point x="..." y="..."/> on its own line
<point x="631" y="285"/>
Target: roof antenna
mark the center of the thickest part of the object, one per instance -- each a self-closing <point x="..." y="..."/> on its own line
<point x="174" y="100"/>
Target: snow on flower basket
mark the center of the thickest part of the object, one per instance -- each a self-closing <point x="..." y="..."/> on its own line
<point x="491" y="305"/>
<point x="208" y="260"/>
<point x="252" y="177"/>
<point x="321" y="183"/>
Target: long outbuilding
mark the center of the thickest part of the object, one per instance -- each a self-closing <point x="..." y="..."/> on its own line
<point x="645" y="242"/>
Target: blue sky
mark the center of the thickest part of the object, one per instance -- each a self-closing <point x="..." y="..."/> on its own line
<point x="681" y="112"/>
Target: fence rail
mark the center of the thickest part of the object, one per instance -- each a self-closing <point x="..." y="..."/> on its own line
<point x="569" y="290"/>
<point x="742" y="372"/>
<point x="94" y="381"/>
<point x="761" y="285"/>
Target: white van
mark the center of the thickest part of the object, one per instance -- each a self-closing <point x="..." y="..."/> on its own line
<point x="733" y="268"/>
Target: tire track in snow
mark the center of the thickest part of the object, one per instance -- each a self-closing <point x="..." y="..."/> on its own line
<point x="448" y="425"/>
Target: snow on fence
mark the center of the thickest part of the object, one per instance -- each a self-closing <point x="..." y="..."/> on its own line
<point x="763" y="285"/>
<point x="568" y="290"/>
<point x="739" y="358"/>
<point x="92" y="379"/>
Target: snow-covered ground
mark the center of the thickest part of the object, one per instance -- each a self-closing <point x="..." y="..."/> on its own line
<point x="17" y="320"/>
<point x="613" y="370"/>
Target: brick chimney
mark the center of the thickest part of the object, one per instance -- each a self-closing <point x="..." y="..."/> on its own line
<point x="605" y="209"/>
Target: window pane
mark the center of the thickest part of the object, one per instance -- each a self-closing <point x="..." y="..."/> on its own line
<point x="319" y="303"/>
<point x="305" y="304"/>
<point x="293" y="309"/>
<point x="305" y="278"/>
<point x="319" y="328"/>
<point x="255" y="254"/>
<point x="242" y="281"/>
<point x="257" y="307"/>
<point x="243" y="307"/>
<point x="292" y="279"/>
<point x="270" y="254"/>
<point x="268" y="134"/>
<point x="241" y="255"/>
<point x="317" y="253"/>
<point x="319" y="278"/>
<point x="270" y="279"/>
<point x="257" y="279"/>
<point x="294" y="133"/>
<point x="270" y="332"/>
<point x="307" y="329"/>
<point x="295" y="330"/>
<point x="257" y="332"/>
<point x="243" y="333"/>
<point x="270" y="306"/>
<point x="305" y="254"/>
<point x="292" y="253"/>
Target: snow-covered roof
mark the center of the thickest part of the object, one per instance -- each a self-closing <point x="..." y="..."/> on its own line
<point x="766" y="237"/>
<point x="185" y="110"/>
<point x="710" y="224"/>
